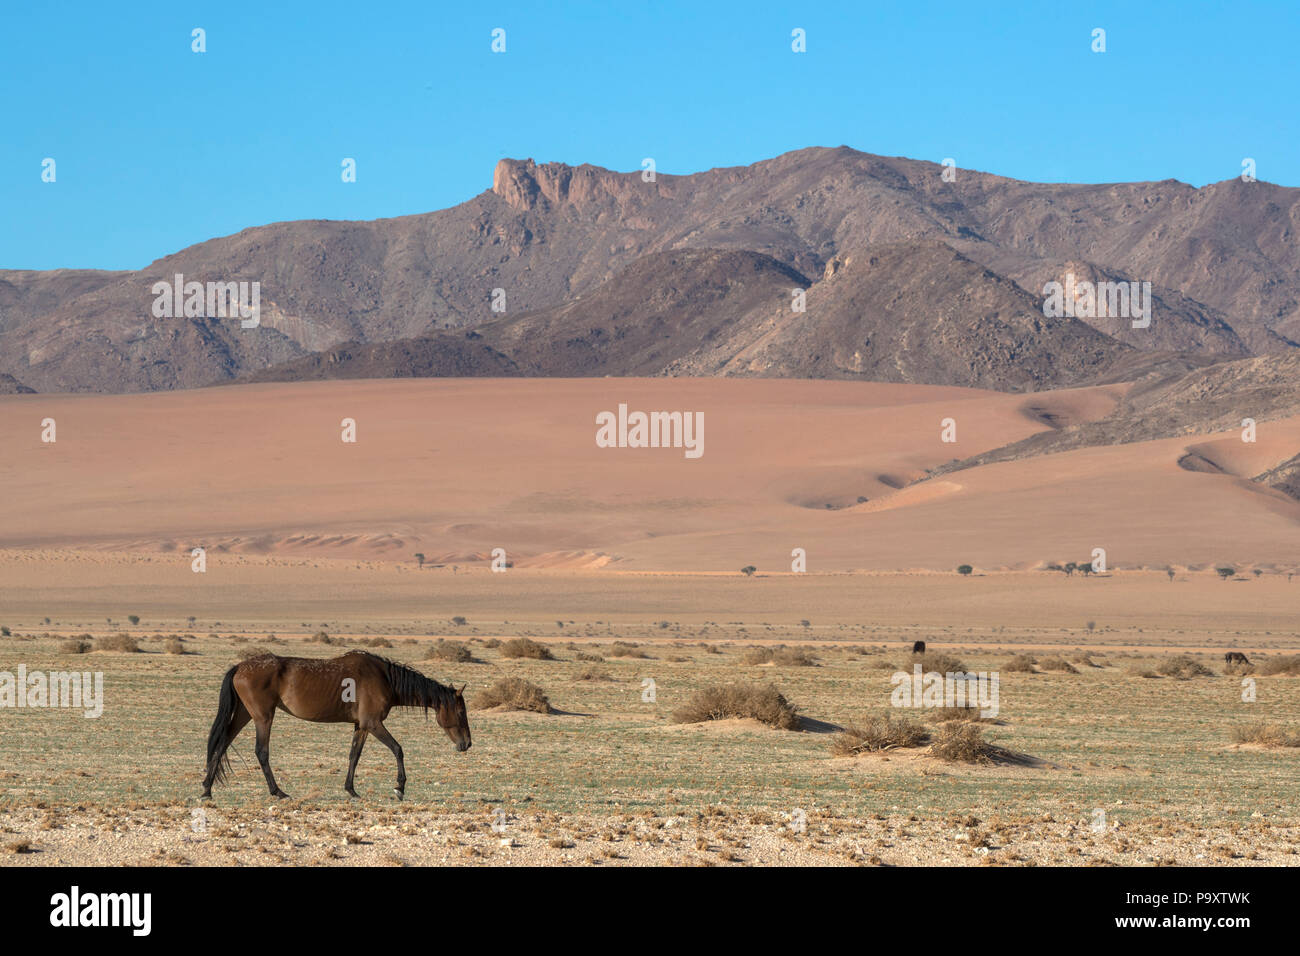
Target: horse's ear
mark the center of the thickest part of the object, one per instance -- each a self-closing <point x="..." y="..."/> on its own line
<point x="461" y="692"/>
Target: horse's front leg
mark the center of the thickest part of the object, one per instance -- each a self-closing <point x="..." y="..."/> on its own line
<point x="358" y="741"/>
<point x="382" y="733"/>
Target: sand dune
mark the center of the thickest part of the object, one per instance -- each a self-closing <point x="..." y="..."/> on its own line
<point x="456" y="468"/>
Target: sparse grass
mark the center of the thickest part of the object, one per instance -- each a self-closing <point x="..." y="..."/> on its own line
<point x="878" y="734"/>
<point x="522" y="647"/>
<point x="945" y="714"/>
<point x="762" y="702"/>
<point x="513" y="693"/>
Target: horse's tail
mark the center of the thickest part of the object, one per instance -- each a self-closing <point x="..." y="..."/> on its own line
<point x="219" y="735"/>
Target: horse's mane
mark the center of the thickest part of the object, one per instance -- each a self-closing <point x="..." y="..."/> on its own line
<point x="412" y="688"/>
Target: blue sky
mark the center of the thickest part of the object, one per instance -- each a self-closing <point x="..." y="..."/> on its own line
<point x="157" y="147"/>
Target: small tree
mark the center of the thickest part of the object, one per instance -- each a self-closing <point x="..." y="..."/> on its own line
<point x="1226" y="572"/>
<point x="420" y="559"/>
<point x="1070" y="569"/>
<point x="458" y="620"/>
<point x="1170" y="572"/>
<point x="964" y="569"/>
<point x="133" y="618"/>
<point x="748" y="570"/>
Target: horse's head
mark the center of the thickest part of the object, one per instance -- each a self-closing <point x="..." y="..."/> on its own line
<point x="453" y="718"/>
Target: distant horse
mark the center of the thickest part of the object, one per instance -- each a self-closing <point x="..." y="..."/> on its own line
<point x="1235" y="657"/>
<point x="357" y="688"/>
<point x="918" y="647"/>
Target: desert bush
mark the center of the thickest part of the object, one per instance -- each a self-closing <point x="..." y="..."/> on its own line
<point x="523" y="647"/>
<point x="1182" y="667"/>
<point x="321" y="637"/>
<point x="248" y="653"/>
<point x="1058" y="664"/>
<point x="1270" y="735"/>
<point x="453" y="651"/>
<point x="757" y="655"/>
<point x="594" y="674"/>
<point x="122" y="642"/>
<point x="621" y="649"/>
<point x="588" y="657"/>
<point x="1288" y="664"/>
<point x="1138" y="669"/>
<point x="174" y="645"/>
<point x="513" y="693"/>
<point x="74" y="646"/>
<point x="1237" y="669"/>
<point x="1020" y="664"/>
<point x="962" y="743"/>
<point x="793" y="657"/>
<point x="762" y="702"/>
<point x="944" y="714"/>
<point x="932" y="661"/>
<point x="877" y="734"/>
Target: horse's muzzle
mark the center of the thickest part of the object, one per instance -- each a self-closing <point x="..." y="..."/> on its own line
<point x="462" y="747"/>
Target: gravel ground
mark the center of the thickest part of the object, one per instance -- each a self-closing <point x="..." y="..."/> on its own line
<point x="294" y="834"/>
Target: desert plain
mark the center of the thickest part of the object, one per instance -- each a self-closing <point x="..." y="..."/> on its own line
<point x="625" y="564"/>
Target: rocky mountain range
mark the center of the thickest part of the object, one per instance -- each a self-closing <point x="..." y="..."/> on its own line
<point x="579" y="271"/>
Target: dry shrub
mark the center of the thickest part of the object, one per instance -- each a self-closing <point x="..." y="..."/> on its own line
<point x="321" y="637"/>
<point x="621" y="649"/>
<point x="877" y="734"/>
<point x="1020" y="664"/>
<point x="453" y="651"/>
<point x="377" y="642"/>
<point x="248" y="653"/>
<point x="1183" y="667"/>
<point x="882" y="665"/>
<point x="932" y="662"/>
<point x="593" y="673"/>
<point x="757" y="655"/>
<point x="117" y="642"/>
<point x="513" y="693"/>
<point x="1058" y="664"/>
<point x="175" y="645"/>
<point x="1269" y="735"/>
<point x="523" y="647"/>
<point x="762" y="702"/>
<point x="75" y="646"/>
<point x="793" y="657"/>
<point x="587" y="658"/>
<point x="945" y="714"/>
<point x="1141" y="670"/>
<point x="1238" y="669"/>
<point x="962" y="743"/>
<point x="1288" y="664"/>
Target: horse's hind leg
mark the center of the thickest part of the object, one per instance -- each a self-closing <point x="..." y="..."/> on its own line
<point x="237" y="723"/>
<point x="358" y="741"/>
<point x="264" y="753"/>
<point x="380" y="731"/>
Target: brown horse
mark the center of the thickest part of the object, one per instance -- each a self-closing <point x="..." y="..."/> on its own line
<point x="357" y="688"/>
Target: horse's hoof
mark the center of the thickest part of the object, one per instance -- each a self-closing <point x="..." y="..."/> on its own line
<point x="398" y="792"/>
<point x="352" y="793"/>
<point x="280" y="795"/>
